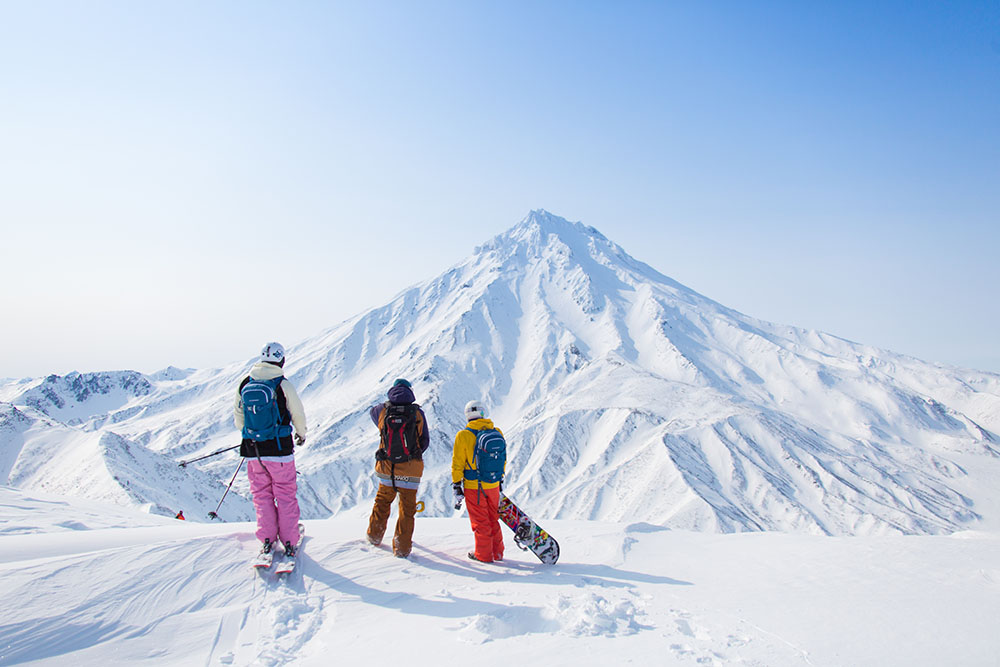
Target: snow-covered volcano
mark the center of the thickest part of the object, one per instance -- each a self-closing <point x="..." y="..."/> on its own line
<point x="624" y="396"/>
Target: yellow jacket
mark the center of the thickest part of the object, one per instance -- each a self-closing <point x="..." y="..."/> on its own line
<point x="465" y="447"/>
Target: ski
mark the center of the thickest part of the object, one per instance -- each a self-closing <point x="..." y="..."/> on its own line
<point x="264" y="560"/>
<point x="287" y="564"/>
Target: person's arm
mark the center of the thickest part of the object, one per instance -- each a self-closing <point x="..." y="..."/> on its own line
<point x="458" y="469"/>
<point x="504" y="474"/>
<point x="424" y="436"/>
<point x="295" y="409"/>
<point x="460" y="455"/>
<point x="375" y="412"/>
<point x="238" y="409"/>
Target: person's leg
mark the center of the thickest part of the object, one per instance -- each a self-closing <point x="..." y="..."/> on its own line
<point x="380" y="513"/>
<point x="402" y="541"/>
<point x="478" y="505"/>
<point x="493" y="509"/>
<point x="285" y="486"/>
<point x="263" y="501"/>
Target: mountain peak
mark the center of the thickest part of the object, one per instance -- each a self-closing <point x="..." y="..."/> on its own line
<point x="540" y="230"/>
<point x="539" y="217"/>
<point x="537" y="226"/>
<point x="548" y="223"/>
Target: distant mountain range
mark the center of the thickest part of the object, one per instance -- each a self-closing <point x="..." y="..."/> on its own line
<point x="624" y="396"/>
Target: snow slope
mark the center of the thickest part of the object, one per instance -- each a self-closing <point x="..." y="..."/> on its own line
<point x="96" y="585"/>
<point x="43" y="454"/>
<point x="625" y="397"/>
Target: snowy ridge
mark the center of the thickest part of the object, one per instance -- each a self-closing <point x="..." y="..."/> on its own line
<point x="105" y="466"/>
<point x="624" y="396"/>
<point x="75" y="398"/>
<point x="13" y="425"/>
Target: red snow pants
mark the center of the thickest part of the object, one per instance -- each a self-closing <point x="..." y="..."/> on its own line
<point x="484" y="515"/>
<point x="273" y="486"/>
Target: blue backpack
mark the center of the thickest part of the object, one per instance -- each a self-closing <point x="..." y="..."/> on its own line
<point x="489" y="456"/>
<point x="261" y="417"/>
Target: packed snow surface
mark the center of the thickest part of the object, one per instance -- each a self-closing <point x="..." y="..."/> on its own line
<point x="87" y="584"/>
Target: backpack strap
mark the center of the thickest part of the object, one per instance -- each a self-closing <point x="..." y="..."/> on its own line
<point x="472" y="474"/>
<point x="382" y="430"/>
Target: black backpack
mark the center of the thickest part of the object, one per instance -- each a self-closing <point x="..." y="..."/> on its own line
<point x="399" y="434"/>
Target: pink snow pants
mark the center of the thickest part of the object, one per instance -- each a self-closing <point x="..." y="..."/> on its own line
<point x="274" y="486"/>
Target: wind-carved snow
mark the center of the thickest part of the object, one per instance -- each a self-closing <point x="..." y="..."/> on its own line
<point x="96" y="584"/>
<point x="623" y="395"/>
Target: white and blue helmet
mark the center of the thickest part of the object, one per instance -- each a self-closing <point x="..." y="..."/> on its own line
<point x="475" y="410"/>
<point x="273" y="353"/>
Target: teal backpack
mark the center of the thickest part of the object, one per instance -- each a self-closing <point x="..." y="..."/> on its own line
<point x="489" y="456"/>
<point x="261" y="417"/>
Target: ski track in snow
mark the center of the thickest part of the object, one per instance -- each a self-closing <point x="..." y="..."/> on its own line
<point x="272" y="629"/>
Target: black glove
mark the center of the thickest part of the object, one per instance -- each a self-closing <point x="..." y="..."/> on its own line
<point x="459" y="492"/>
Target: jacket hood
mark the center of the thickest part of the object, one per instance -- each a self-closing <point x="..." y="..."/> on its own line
<point x="400" y="394"/>
<point x="265" y="371"/>
<point x="480" y="424"/>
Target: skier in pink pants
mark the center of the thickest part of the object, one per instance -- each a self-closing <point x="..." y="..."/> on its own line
<point x="267" y="407"/>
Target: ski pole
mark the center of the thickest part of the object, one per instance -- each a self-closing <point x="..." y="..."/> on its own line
<point x="215" y="515"/>
<point x="183" y="464"/>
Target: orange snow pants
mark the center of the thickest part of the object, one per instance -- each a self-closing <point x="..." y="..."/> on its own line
<point x="484" y="515"/>
<point x="402" y="540"/>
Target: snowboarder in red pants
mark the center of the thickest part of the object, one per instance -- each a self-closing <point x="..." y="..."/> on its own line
<point x="477" y="465"/>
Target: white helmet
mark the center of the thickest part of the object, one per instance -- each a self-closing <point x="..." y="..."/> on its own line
<point x="273" y="353"/>
<point x="474" y="410"/>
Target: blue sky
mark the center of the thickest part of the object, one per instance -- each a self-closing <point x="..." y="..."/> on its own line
<point x="833" y="167"/>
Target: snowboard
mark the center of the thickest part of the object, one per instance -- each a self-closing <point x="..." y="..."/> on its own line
<point x="528" y="535"/>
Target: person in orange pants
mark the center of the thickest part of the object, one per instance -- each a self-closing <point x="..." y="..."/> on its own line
<point x="399" y="464"/>
<point x="477" y="464"/>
